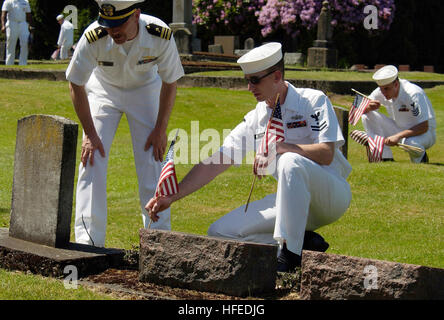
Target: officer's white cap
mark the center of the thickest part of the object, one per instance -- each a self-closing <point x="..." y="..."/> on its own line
<point x="261" y="58"/>
<point x="385" y="75"/>
<point x="60" y="17"/>
<point x="113" y="13"/>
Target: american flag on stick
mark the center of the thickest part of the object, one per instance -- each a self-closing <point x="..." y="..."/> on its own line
<point x="167" y="184"/>
<point x="375" y="148"/>
<point x="274" y="133"/>
<point x="358" y="107"/>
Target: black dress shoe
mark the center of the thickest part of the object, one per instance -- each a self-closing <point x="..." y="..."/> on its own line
<point x="388" y="160"/>
<point x="288" y="261"/>
<point x="314" y="242"/>
<point x="425" y="158"/>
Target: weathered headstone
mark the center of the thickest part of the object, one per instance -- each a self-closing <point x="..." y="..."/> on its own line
<point x="322" y="55"/>
<point x="342" y="115"/>
<point x="291" y="58"/>
<point x="44" y="169"/>
<point x="336" y="277"/>
<point x="248" y="46"/>
<point x="182" y="25"/>
<point x="216" y="48"/>
<point x="229" y="43"/>
<point x="2" y="50"/>
<point x="206" y="263"/>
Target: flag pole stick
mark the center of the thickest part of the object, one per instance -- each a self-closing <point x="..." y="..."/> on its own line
<point x="255" y="176"/>
<point x="361" y="94"/>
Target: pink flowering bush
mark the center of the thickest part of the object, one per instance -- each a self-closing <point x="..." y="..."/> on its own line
<point x="236" y="16"/>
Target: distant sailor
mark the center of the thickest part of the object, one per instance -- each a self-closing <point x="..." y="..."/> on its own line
<point x="411" y="118"/>
<point x="125" y="63"/>
<point x="66" y="36"/>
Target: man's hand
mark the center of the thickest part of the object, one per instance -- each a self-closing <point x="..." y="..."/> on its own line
<point x="3" y="29"/>
<point x="89" y="146"/>
<point x="260" y="165"/>
<point x="392" y="140"/>
<point x="158" y="140"/>
<point x="156" y="205"/>
<point x="372" y="106"/>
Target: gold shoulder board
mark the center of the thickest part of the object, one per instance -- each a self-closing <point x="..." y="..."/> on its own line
<point x="164" y="33"/>
<point x="96" y="34"/>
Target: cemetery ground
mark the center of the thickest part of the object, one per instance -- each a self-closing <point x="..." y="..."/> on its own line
<point x="396" y="212"/>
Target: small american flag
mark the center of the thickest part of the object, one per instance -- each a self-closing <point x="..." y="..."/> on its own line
<point x="375" y="148"/>
<point x="274" y="132"/>
<point x="357" y="109"/>
<point x="167" y="184"/>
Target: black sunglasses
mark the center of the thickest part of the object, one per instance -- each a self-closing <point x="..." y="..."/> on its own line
<point x="257" y="80"/>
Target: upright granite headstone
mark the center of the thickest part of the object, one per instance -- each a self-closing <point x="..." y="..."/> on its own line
<point x="322" y="55"/>
<point x="44" y="169"/>
<point x="342" y="115"/>
<point x="2" y="50"/>
<point x="182" y="25"/>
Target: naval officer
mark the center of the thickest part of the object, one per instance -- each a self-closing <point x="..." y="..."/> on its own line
<point x="125" y="63"/>
<point x="18" y="14"/>
<point x="66" y="36"/>
<point x="311" y="172"/>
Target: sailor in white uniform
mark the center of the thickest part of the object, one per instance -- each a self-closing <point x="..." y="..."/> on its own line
<point x="411" y="118"/>
<point x="18" y="14"/>
<point x="312" y="189"/>
<point x="66" y="36"/>
<point x="125" y="63"/>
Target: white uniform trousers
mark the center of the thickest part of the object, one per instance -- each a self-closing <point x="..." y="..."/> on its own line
<point x="15" y="31"/>
<point x="308" y="197"/>
<point x="91" y="202"/>
<point x="376" y="123"/>
<point x="64" y="50"/>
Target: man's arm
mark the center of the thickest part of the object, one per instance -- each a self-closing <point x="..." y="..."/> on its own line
<point x="201" y="174"/>
<point x="91" y="142"/>
<point x="4" y="20"/>
<point x="412" y="132"/>
<point x="158" y="137"/>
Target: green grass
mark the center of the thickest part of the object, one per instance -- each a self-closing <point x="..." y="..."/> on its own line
<point x="396" y="213"/>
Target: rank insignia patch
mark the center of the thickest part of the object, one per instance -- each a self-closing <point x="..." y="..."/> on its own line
<point x="319" y="126"/>
<point x="162" y="32"/>
<point x="96" y="34"/>
<point x="415" y="110"/>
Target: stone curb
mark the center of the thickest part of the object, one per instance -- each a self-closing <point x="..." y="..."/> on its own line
<point x="189" y="80"/>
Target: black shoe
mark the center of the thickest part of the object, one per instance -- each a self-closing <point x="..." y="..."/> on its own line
<point x="314" y="242"/>
<point x="388" y="160"/>
<point x="425" y="158"/>
<point x="288" y="261"/>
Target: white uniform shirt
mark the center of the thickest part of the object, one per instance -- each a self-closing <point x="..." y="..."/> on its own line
<point x="308" y="118"/>
<point x="66" y="36"/>
<point x="17" y="10"/>
<point x="150" y="57"/>
<point x="410" y="108"/>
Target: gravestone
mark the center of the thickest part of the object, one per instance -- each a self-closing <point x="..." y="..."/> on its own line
<point x="206" y="263"/>
<point x="216" y="48"/>
<point x="182" y="25"/>
<point x="44" y="169"/>
<point x="322" y="54"/>
<point x="292" y="58"/>
<point x="2" y="50"/>
<point x="342" y="115"/>
<point x="228" y="43"/>
<point x="336" y="277"/>
<point x="248" y="45"/>
<point x="42" y="195"/>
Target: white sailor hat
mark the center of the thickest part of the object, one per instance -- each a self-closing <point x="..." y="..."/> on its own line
<point x="261" y="58"/>
<point x="385" y="75"/>
<point x="113" y="13"/>
<point x="60" y="17"/>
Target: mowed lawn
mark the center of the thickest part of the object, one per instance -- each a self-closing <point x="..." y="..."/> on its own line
<point x="396" y="213"/>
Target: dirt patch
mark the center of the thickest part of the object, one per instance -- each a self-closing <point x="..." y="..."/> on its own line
<point x="125" y="285"/>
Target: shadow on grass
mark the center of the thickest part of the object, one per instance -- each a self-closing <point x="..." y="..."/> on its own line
<point x="436" y="164"/>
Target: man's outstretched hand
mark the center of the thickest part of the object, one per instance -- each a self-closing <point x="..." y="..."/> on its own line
<point x="156" y="205"/>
